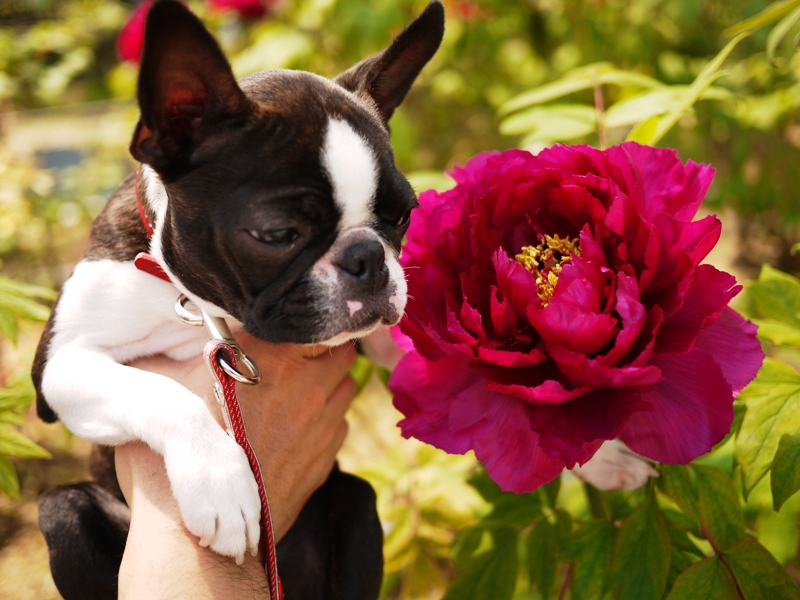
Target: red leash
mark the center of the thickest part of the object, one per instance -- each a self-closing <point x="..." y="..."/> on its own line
<point x="221" y="356"/>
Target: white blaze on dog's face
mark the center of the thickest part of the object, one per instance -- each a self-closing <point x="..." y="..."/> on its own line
<point x="370" y="262"/>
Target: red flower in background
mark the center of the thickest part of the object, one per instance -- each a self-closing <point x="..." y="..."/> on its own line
<point x="558" y="301"/>
<point x="131" y="37"/>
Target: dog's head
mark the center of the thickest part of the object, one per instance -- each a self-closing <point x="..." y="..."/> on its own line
<point x="277" y="198"/>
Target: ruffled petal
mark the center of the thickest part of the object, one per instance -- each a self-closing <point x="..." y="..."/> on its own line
<point x="691" y="410"/>
<point x="732" y="341"/>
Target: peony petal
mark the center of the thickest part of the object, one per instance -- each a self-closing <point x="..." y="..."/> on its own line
<point x="692" y="410"/>
<point x="568" y="326"/>
<point x="732" y="341"/>
<point x="131" y="37"/>
<point x="508" y="448"/>
<point x="581" y="371"/>
<point x="548" y="392"/>
<point x="633" y="316"/>
<point x="427" y="419"/>
<point x="708" y="295"/>
<point x="573" y="431"/>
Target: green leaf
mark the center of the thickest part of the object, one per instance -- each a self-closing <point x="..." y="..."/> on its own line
<point x="675" y="482"/>
<point x="779" y="32"/>
<point x="550" y="491"/>
<point x="708" y="579"/>
<point x="9" y="482"/>
<point x="650" y="103"/>
<point x="758" y="574"/>
<point x="542" y="550"/>
<point x="772" y="13"/>
<point x="644" y="131"/>
<point x="785" y="475"/>
<point x="26" y="289"/>
<point x="679" y="562"/>
<point x="8" y="325"/>
<point x="491" y="575"/>
<point x="564" y="533"/>
<point x="778" y="333"/>
<point x="551" y="123"/>
<point x="466" y="542"/>
<point x="517" y="510"/>
<point x="13" y="443"/>
<point x="719" y="506"/>
<point x="773" y="409"/>
<point x="695" y="91"/>
<point x="23" y="307"/>
<point x="361" y="371"/>
<point x="642" y="553"/>
<point x="593" y="547"/>
<point x="581" y="79"/>
<point x="485" y="485"/>
<point x="775" y="296"/>
<point x="678" y="527"/>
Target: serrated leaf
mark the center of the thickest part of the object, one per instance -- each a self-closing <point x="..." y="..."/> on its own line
<point x="719" y="506"/>
<point x="675" y="482"/>
<point x="772" y="13"/>
<point x="13" y="443"/>
<point x="542" y="548"/>
<point x="758" y="574"/>
<point x="593" y="547"/>
<point x="779" y="32"/>
<point x="642" y="553"/>
<point x="785" y="475"/>
<point x="708" y="579"/>
<point x="9" y="482"/>
<point x="491" y="575"/>
<point x="773" y="405"/>
<point x="704" y="80"/>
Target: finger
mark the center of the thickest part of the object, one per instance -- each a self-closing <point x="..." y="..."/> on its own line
<point x="328" y="370"/>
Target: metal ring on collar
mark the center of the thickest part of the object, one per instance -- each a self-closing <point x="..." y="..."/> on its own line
<point x="255" y="373"/>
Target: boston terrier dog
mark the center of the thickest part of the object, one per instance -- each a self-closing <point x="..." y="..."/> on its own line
<point x="275" y="203"/>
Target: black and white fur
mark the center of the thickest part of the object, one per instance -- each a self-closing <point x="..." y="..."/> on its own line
<point x="276" y="204"/>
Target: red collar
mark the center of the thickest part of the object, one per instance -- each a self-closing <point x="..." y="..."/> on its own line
<point x="144" y="261"/>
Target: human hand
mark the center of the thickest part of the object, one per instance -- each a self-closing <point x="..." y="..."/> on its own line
<point x="295" y="422"/>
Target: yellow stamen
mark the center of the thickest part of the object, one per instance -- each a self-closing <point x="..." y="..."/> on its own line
<point x="546" y="260"/>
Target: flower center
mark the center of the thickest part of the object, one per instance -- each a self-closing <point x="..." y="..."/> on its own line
<point x="545" y="262"/>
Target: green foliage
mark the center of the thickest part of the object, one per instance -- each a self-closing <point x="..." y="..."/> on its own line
<point x="785" y="470"/>
<point x="773" y="409"/>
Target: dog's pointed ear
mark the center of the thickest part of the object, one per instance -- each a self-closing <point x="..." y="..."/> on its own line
<point x="387" y="76"/>
<point x="186" y="89"/>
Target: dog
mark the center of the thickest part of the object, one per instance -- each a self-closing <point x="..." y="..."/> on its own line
<point x="275" y="203"/>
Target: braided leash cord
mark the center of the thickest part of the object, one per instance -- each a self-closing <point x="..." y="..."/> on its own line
<point x="236" y="423"/>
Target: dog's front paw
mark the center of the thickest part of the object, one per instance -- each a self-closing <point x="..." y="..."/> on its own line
<point x="216" y="493"/>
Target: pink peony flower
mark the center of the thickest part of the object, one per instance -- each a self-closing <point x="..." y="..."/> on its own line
<point x="131" y="37"/>
<point x="558" y="301"/>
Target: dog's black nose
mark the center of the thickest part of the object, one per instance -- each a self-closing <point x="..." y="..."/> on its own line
<point x="365" y="263"/>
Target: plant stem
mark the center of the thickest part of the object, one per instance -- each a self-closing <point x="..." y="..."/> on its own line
<point x="567" y="581"/>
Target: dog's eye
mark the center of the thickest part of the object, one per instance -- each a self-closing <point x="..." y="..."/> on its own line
<point x="404" y="220"/>
<point x="275" y="237"/>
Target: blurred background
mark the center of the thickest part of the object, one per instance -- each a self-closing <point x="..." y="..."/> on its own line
<point x="522" y="73"/>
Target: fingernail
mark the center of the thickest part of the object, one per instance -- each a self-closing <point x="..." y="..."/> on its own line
<point x="205" y="541"/>
<point x="254" y="550"/>
<point x="240" y="559"/>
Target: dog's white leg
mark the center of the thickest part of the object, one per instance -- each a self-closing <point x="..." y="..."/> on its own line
<point x="109" y="403"/>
